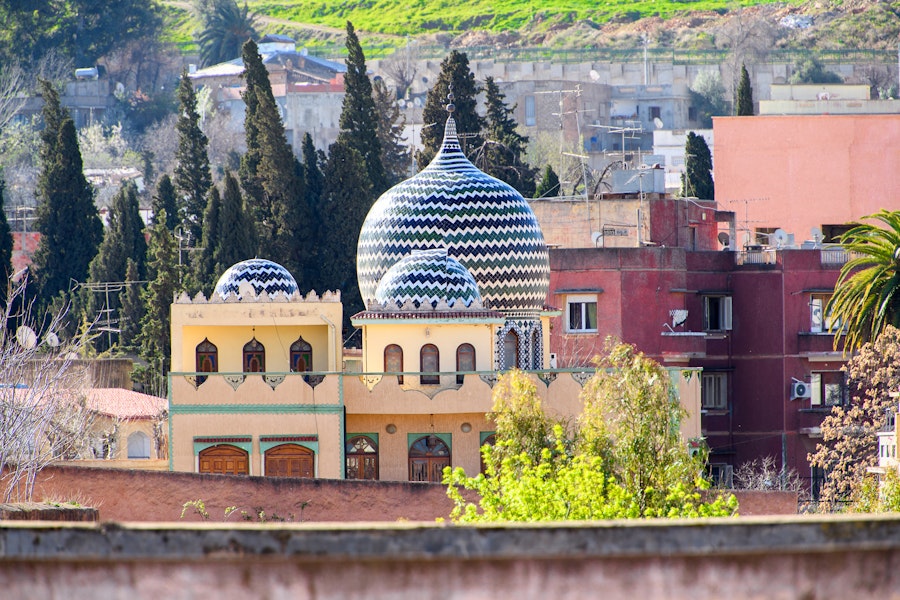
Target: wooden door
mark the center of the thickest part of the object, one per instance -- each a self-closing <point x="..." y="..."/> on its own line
<point x="225" y="459"/>
<point x="290" y="460"/>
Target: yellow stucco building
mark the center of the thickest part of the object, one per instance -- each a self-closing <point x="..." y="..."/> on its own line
<point x="455" y="274"/>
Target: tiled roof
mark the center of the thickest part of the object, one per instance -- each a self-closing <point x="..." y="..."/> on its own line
<point x="430" y="315"/>
<point x="125" y="404"/>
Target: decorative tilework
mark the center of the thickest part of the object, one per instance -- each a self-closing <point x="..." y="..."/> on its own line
<point x="264" y="276"/>
<point x="426" y="278"/>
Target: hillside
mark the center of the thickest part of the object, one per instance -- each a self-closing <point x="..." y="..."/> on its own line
<point x="689" y="25"/>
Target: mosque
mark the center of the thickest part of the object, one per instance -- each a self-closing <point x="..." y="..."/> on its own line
<point x="454" y="272"/>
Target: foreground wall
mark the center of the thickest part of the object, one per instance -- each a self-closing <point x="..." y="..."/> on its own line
<point x="153" y="497"/>
<point x="834" y="557"/>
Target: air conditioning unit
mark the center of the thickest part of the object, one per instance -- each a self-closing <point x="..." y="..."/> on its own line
<point x="799" y="389"/>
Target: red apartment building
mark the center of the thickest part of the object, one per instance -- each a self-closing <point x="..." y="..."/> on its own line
<point x="752" y="320"/>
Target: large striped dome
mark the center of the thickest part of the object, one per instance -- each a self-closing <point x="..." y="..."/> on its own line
<point x="426" y="278"/>
<point x="482" y="222"/>
<point x="264" y="276"/>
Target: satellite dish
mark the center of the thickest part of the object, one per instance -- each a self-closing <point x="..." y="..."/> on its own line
<point x="595" y="76"/>
<point x="658" y="122"/>
<point x="597" y="238"/>
<point x="816" y="234"/>
<point x="26" y="337"/>
<point x="780" y="237"/>
<point x="401" y="103"/>
<point x="52" y="339"/>
<point x="723" y="238"/>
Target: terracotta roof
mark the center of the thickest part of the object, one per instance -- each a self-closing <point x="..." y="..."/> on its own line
<point x="125" y="404"/>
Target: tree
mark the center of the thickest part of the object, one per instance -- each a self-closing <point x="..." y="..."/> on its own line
<point x="503" y="153"/>
<point x="537" y="470"/>
<point x="697" y="181"/>
<point x="226" y="27"/>
<point x="123" y="242"/>
<point x="163" y="274"/>
<point x="866" y="296"/>
<point x="744" y="95"/>
<point x="132" y="307"/>
<point x="359" y="121"/>
<point x="192" y="175"/>
<point x="708" y="97"/>
<point x="312" y="172"/>
<point x="66" y="217"/>
<point x="272" y="178"/>
<point x="204" y="264"/>
<point x="849" y="434"/>
<point x="395" y="156"/>
<point x="235" y="241"/>
<point x="342" y="214"/>
<point x="43" y="416"/>
<point x="165" y="200"/>
<point x="549" y="185"/>
<point x="469" y="124"/>
<point x="811" y="70"/>
<point x="13" y="83"/>
<point x="6" y="246"/>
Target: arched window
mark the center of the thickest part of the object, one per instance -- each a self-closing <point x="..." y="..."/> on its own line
<point x="429" y="365"/>
<point x="510" y="351"/>
<point x="465" y="360"/>
<point x="290" y="460"/>
<point x="254" y="357"/>
<point x="224" y="458"/>
<point x="488" y="441"/>
<point x="393" y="361"/>
<point x="207" y="359"/>
<point x="362" y="458"/>
<point x="301" y="356"/>
<point x="138" y="445"/>
<point x="428" y="456"/>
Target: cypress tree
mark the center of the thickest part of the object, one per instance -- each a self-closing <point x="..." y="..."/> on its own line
<point x="359" y="121"/>
<point x="345" y="181"/>
<point x="469" y="125"/>
<point x="236" y="241"/>
<point x="165" y="200"/>
<point x="6" y="248"/>
<point x="132" y="307"/>
<point x="204" y="265"/>
<point x="192" y="175"/>
<point x="272" y="177"/>
<point x="162" y="267"/>
<point x="503" y="154"/>
<point x="312" y="172"/>
<point x="697" y="180"/>
<point x="744" y="95"/>
<point x="549" y="185"/>
<point x="394" y="154"/>
<point x="66" y="217"/>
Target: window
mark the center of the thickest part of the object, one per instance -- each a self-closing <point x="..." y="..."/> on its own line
<point x="530" y="118"/>
<point x="820" y="321"/>
<point x="207" y="359"/>
<point x="722" y="475"/>
<point x="393" y="361"/>
<point x="655" y="112"/>
<point x="301" y="356"/>
<point x="138" y="445"/>
<point x="489" y="440"/>
<point x="717" y="313"/>
<point x="714" y="391"/>
<point x="535" y="350"/>
<point x="362" y="458"/>
<point x="581" y="313"/>
<point x="828" y="388"/>
<point x="692" y="113"/>
<point x="465" y="361"/>
<point x="254" y="357"/>
<point x="428" y="456"/>
<point x="510" y="351"/>
<point x="429" y="365"/>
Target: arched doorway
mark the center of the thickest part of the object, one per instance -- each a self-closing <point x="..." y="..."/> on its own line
<point x="428" y="456"/>
<point x="290" y="460"/>
<point x="362" y="458"/>
<point x="510" y="351"/>
<point x="490" y="440"/>
<point x="225" y="459"/>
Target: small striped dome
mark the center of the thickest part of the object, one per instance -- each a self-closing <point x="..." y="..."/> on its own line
<point x="264" y="276"/>
<point x="427" y="277"/>
<point x="482" y="222"/>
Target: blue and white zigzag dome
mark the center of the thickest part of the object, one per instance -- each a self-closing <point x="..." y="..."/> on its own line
<point x="265" y="276"/>
<point x="482" y="222"/>
<point x="425" y="278"/>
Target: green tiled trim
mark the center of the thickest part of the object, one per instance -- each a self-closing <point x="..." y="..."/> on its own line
<point x="189" y="409"/>
<point x="447" y="438"/>
<point x="483" y="436"/>
<point x="244" y="442"/>
<point x="349" y="436"/>
<point x="267" y="442"/>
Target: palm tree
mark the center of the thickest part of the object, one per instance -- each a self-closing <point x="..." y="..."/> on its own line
<point x="867" y="293"/>
<point x="226" y="27"/>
